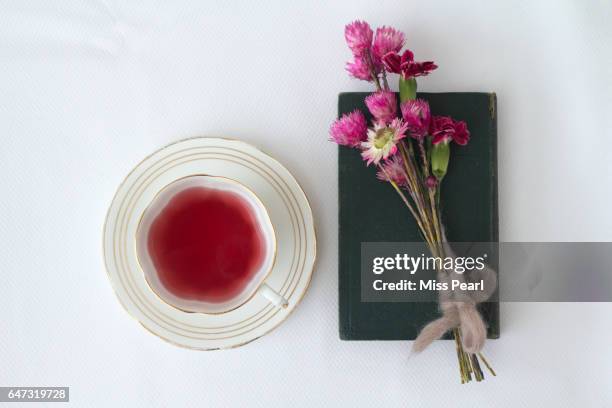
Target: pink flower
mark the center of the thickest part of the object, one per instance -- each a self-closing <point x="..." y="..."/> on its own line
<point x="350" y="130"/>
<point x="406" y="66"/>
<point x="382" y="105"/>
<point x="382" y="141"/>
<point x="393" y="60"/>
<point x="359" y="69"/>
<point x="415" y="69"/>
<point x="358" y="35"/>
<point x="417" y="115"/>
<point x="462" y="134"/>
<point x="387" y="40"/>
<point x="431" y="182"/>
<point x="444" y="129"/>
<point x="393" y="170"/>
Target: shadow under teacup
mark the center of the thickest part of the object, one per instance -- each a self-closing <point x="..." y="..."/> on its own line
<point x="206" y="244"/>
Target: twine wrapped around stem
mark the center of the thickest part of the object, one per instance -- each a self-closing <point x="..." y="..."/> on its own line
<point x="459" y="309"/>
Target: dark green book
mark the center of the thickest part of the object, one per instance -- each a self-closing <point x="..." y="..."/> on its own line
<point x="371" y="211"/>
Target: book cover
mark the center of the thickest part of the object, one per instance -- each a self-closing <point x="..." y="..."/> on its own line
<point x="371" y="211"/>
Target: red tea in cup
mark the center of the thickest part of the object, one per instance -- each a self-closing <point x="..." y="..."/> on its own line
<point x="205" y="244"/>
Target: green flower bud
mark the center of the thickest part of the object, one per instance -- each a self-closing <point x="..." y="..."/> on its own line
<point x="407" y="88"/>
<point x="440" y="155"/>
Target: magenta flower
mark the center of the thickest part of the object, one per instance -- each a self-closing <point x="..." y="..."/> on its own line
<point x="415" y="69"/>
<point x="393" y="170"/>
<point x="387" y="40"/>
<point x="417" y="115"/>
<point x="444" y="129"/>
<point x="382" y="141"/>
<point x="358" y="35"/>
<point x="359" y="69"/>
<point x="393" y="61"/>
<point x="462" y="134"/>
<point x="431" y="182"/>
<point x="382" y="105"/>
<point x="406" y="66"/>
<point x="350" y="130"/>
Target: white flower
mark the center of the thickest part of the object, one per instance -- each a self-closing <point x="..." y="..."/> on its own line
<point x="382" y="141"/>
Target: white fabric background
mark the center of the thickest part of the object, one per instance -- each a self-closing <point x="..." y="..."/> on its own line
<point x="88" y="88"/>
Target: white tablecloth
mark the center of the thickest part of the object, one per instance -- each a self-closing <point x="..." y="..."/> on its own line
<point x="88" y="88"/>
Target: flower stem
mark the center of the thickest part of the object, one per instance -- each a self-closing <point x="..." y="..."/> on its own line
<point x="417" y="188"/>
<point x="384" y="77"/>
<point x="373" y="73"/>
<point x="406" y="201"/>
<point x="431" y="193"/>
<point x="486" y="363"/>
<point x="476" y="366"/>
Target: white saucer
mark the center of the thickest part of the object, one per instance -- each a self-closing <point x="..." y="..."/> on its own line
<point x="289" y="212"/>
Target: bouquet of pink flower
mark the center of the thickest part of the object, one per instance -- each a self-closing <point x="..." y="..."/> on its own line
<point x="411" y="150"/>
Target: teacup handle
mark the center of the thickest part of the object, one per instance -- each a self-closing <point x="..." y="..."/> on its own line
<point x="273" y="296"/>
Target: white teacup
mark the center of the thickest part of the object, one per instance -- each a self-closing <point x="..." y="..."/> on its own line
<point x="256" y="284"/>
